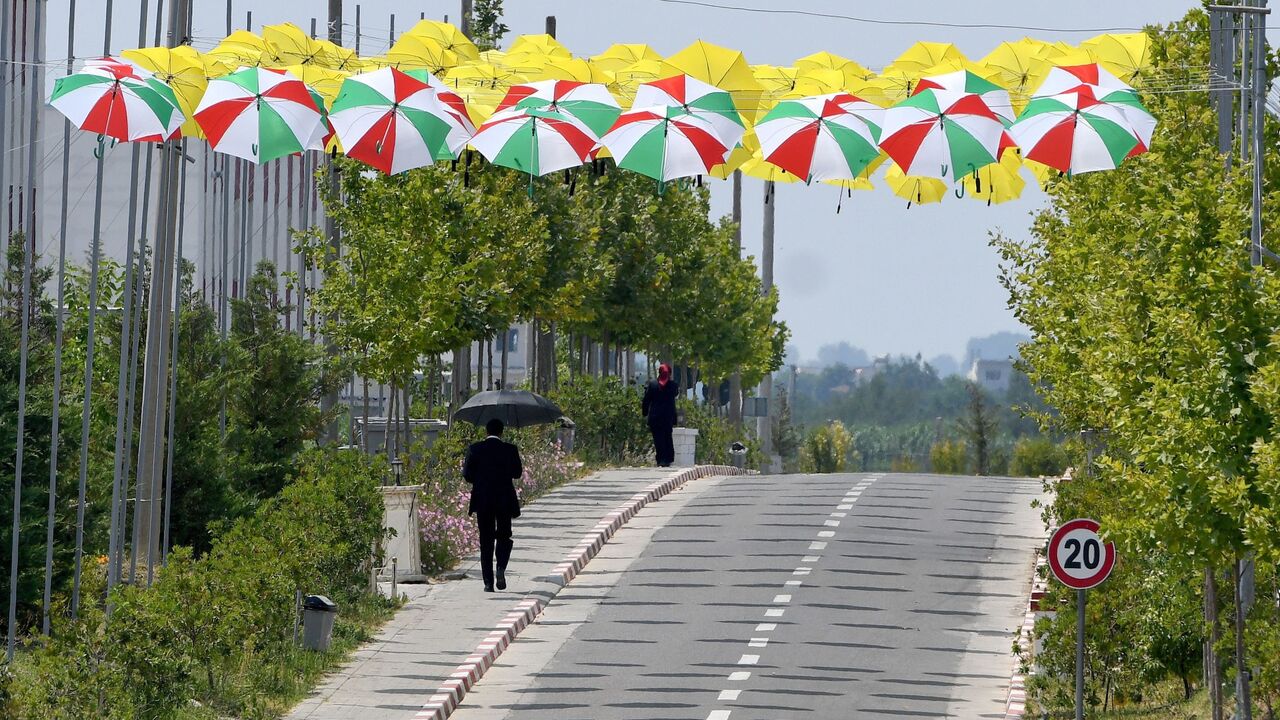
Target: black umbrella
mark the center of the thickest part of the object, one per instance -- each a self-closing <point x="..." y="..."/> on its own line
<point x="515" y="408"/>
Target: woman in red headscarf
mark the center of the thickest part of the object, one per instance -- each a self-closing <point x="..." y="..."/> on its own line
<point x="659" y="406"/>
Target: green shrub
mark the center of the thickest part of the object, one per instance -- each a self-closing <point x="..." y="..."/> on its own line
<point x="826" y="448"/>
<point x="949" y="457"/>
<point x="1035" y="456"/>
<point x="610" y="429"/>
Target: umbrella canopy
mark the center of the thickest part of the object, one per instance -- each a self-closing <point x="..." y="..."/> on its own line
<point x="697" y="98"/>
<point x="590" y="103"/>
<point x="941" y="134"/>
<point x="534" y="141"/>
<point x="924" y="55"/>
<point x="998" y="182"/>
<point x="259" y="114"/>
<point x="1065" y="78"/>
<point x="1076" y="132"/>
<point x="515" y="408"/>
<point x="725" y="68"/>
<point x="852" y="71"/>
<point x="390" y="121"/>
<point x="183" y="73"/>
<point x="1018" y="66"/>
<point x="556" y="67"/>
<point x="827" y="137"/>
<point x="620" y="55"/>
<point x="541" y="44"/>
<point x="289" y="45"/>
<point x="448" y="37"/>
<point x="418" y="52"/>
<point x="914" y="188"/>
<point x="964" y="81"/>
<point x="117" y="99"/>
<point x="665" y="143"/>
<point x="324" y="85"/>
<point x="1127" y="55"/>
<point x="241" y="49"/>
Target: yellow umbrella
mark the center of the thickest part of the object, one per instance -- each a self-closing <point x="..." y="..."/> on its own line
<point x="186" y="75"/>
<point x="891" y="86"/>
<point x="324" y="81"/>
<point x="997" y="183"/>
<point x="449" y="37"/>
<point x="756" y="167"/>
<point x="817" y="81"/>
<point x="913" y="188"/>
<point x="289" y="45"/>
<point x="240" y="49"/>
<point x="1042" y="173"/>
<point x="554" y="67"/>
<point x="830" y="61"/>
<point x="626" y="80"/>
<point x="416" y="52"/>
<point x="1018" y="66"/>
<point x="493" y="57"/>
<point x="863" y="181"/>
<point x="776" y="80"/>
<point x="482" y="86"/>
<point x="341" y="58"/>
<point x="1127" y="56"/>
<point x="542" y="44"/>
<point x="741" y="153"/>
<point x="725" y="68"/>
<point x="924" y="55"/>
<point x="620" y="55"/>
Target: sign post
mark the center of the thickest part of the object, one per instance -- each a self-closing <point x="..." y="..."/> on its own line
<point x="1080" y="560"/>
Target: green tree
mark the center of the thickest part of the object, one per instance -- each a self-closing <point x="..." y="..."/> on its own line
<point x="978" y="426"/>
<point x="487" y="28"/>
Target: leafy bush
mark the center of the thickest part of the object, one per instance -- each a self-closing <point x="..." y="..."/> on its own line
<point x="610" y="429"/>
<point x="949" y="457"/>
<point x="1036" y="456"/>
<point x="216" y="628"/>
<point x="826" y="449"/>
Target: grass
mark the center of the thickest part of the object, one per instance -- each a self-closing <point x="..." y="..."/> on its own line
<point x="1164" y="702"/>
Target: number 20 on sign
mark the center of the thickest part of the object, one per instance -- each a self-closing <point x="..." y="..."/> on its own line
<point x="1080" y="560"/>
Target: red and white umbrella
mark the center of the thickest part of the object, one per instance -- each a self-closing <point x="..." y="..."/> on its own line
<point x="942" y="134"/>
<point x="703" y="101"/>
<point x="117" y="99"/>
<point x="534" y="141"/>
<point x="258" y="114"/>
<point x="389" y="120"/>
<point x="461" y="129"/>
<point x="591" y="103"/>
<point x="665" y="143"/>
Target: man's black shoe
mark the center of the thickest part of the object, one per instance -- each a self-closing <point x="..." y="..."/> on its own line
<point x="488" y="588"/>
<point x="502" y="580"/>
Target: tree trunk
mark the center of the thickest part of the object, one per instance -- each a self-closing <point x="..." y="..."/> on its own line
<point x="1243" y="698"/>
<point x="408" y="413"/>
<point x="389" y="426"/>
<point x="1213" y="667"/>
<point x="364" y="431"/>
<point x="548" y="368"/>
<point x="604" y="355"/>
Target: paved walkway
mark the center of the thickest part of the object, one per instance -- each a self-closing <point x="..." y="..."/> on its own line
<point x="442" y="624"/>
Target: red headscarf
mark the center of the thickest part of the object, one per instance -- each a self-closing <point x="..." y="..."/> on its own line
<point x="664" y="374"/>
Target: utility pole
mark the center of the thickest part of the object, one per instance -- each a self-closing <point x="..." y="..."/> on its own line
<point x="764" y="423"/>
<point x="466" y="18"/>
<point x="155" y="377"/>
<point x="735" y="380"/>
<point x="330" y="399"/>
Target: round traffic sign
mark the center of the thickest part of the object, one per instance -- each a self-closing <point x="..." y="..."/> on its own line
<point x="1078" y="556"/>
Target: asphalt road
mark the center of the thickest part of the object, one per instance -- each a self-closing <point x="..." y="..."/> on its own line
<point x="821" y="596"/>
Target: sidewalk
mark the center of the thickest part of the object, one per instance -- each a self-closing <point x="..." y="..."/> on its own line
<point x="441" y="625"/>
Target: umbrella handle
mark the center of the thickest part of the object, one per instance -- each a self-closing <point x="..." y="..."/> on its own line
<point x="254" y="147"/>
<point x="100" y="149"/>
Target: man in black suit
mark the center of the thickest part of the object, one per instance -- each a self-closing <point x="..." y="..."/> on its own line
<point x="490" y="466"/>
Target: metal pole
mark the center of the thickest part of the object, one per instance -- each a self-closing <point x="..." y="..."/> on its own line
<point x="330" y="399"/>
<point x="1244" y="701"/>
<point x="173" y="377"/>
<point x="551" y="25"/>
<point x="735" y="380"/>
<point x="29" y="239"/>
<point x="57" y="342"/>
<point x="5" y="69"/>
<point x="466" y="18"/>
<point x="764" y="427"/>
<point x="95" y="258"/>
<point x="1259" y="103"/>
<point x="1080" y="601"/>
<point x="357" y="48"/>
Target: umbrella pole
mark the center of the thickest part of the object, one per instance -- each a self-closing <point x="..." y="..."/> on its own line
<point x="173" y="377"/>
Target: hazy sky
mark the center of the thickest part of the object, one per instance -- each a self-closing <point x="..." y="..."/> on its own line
<point x="877" y="275"/>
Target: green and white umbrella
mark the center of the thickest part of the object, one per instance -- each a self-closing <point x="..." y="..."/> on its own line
<point x="665" y="143"/>
<point x="1075" y="132"/>
<point x="942" y="134"/>
<point x="591" y="103"/>
<point x="705" y="102"/>
<point x="461" y="129"/>
<point x="825" y="137"/>
<point x="534" y="141"/>
<point x="117" y="99"/>
<point x="996" y="97"/>
<point x="258" y="114"/>
<point x="389" y="120"/>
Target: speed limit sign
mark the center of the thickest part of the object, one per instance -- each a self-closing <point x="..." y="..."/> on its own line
<point x="1078" y="556"/>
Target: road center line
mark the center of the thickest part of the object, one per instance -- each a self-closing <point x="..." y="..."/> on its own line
<point x="749" y="660"/>
<point x="766" y="627"/>
<point x="817" y="546"/>
<point x="729" y="695"/>
<point x="782" y="598"/>
<point x="718" y="715"/>
<point x="739" y="676"/>
<point x="758" y="642"/>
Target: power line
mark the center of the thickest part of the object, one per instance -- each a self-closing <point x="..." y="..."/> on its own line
<point x="877" y="21"/>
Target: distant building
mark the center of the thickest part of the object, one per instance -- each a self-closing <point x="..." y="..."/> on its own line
<point x="992" y="375"/>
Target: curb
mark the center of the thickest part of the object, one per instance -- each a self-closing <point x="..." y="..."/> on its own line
<point x="449" y="695"/>
<point x="1016" y="705"/>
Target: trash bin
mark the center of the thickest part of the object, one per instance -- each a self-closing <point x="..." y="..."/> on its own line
<point x="738" y="455"/>
<point x="564" y="434"/>
<point x="319" y="613"/>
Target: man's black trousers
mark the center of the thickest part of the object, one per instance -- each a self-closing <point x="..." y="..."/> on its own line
<point x="495" y="531"/>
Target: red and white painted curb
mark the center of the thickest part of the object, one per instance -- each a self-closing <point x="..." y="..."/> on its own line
<point x="446" y="698"/>
<point x="1016" y="705"/>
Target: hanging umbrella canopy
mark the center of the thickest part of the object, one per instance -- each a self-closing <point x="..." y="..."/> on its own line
<point x="915" y="189"/>
<point x="590" y="103"/>
<point x="535" y="66"/>
<point x="448" y="37"/>
<point x="540" y="44"/>
<point x="259" y="114"/>
<point x="724" y="68"/>
<point x="827" y="137"/>
<point x="665" y="143"/>
<point x="241" y="49"/>
<point x="941" y="134"/>
<point x="482" y="86"/>
<point x="620" y="55"/>
<point x="760" y="169"/>
<point x="515" y="408"/>
<point x="850" y="70"/>
<point x="964" y="81"/>
<point x="1065" y="78"/>
<point x="1018" y="66"/>
<point x="1127" y="56"/>
<point x="924" y="55"/>
<point x="739" y="155"/>
<point x="117" y="99"/>
<point x="1075" y="132"/>
<point x="461" y="128"/>
<point x="324" y="85"/>
<point x="184" y="74"/>
<point x="693" y="96"/>
<point x="775" y="80"/>
<point x="629" y="79"/>
<point x="996" y="183"/>
<point x="288" y="45"/>
<point x="534" y="141"/>
<point x="418" y="52"/>
<point x="390" y="121"/>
